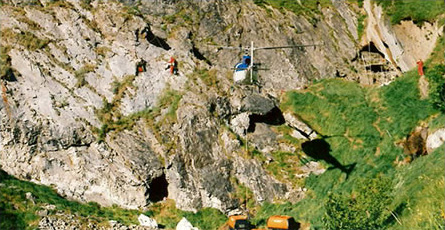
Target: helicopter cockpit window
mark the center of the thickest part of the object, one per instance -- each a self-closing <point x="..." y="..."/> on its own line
<point x="247" y="61"/>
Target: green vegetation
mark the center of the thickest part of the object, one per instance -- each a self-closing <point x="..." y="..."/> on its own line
<point x="113" y="120"/>
<point x="244" y="195"/>
<point x="5" y="61"/>
<point x="180" y="17"/>
<point x="61" y="4"/>
<point x="364" y="209"/>
<point x="166" y="214"/>
<point x="110" y="115"/>
<point x="130" y="12"/>
<point x="208" y="77"/>
<point x="361" y="25"/>
<point x="418" y="11"/>
<point x="363" y="128"/>
<point x="80" y="74"/>
<point x="170" y="99"/>
<point x="436" y="81"/>
<point x="29" y="3"/>
<point x="86" y="4"/>
<point x="32" y="25"/>
<point x="283" y="167"/>
<point x="183" y="17"/>
<point x="102" y="50"/>
<point x="306" y="7"/>
<point x="401" y="108"/>
<point x="17" y="212"/>
<point x="438" y="54"/>
<point x="420" y="193"/>
<point x="25" y="38"/>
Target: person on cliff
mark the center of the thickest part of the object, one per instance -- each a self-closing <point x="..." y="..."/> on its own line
<point x="146" y="33"/>
<point x="420" y="67"/>
<point x="423" y="82"/>
<point x="173" y="66"/>
<point x="136" y="34"/>
<point x="141" y="66"/>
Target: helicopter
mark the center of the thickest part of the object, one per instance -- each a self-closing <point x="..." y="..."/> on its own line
<point x="246" y="71"/>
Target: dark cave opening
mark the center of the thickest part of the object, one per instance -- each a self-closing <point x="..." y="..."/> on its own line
<point x="376" y="68"/>
<point x="371" y="48"/>
<point x="368" y="48"/>
<point x="158" y="189"/>
<point x="273" y="117"/>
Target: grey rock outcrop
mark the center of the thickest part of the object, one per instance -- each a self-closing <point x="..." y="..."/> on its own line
<point x="147" y="221"/>
<point x="256" y="104"/>
<point x="301" y="129"/>
<point x="184" y="224"/>
<point x="400" y="50"/>
<point x="435" y="140"/>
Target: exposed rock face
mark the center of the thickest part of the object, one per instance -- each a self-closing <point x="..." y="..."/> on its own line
<point x="301" y="129"/>
<point x="402" y="45"/>
<point x="435" y="140"/>
<point x="82" y="120"/>
<point x="49" y="139"/>
<point x="230" y="23"/>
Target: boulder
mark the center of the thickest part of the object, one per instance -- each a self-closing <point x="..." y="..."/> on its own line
<point x="184" y="224"/>
<point x="240" y="123"/>
<point x="147" y="221"/>
<point x="263" y="137"/>
<point x="310" y="167"/>
<point x="435" y="140"/>
<point x="257" y="104"/>
<point x="302" y="130"/>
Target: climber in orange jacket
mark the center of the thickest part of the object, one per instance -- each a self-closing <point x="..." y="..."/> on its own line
<point x="173" y="66"/>
<point x="420" y="67"/>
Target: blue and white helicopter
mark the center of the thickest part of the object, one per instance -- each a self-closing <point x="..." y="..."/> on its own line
<point x="246" y="71"/>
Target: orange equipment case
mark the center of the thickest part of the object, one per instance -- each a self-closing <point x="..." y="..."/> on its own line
<point x="282" y="223"/>
<point x="238" y="222"/>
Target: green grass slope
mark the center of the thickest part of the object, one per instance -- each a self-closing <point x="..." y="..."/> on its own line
<point x="418" y="11"/>
<point x="18" y="212"/>
<point x="364" y="128"/>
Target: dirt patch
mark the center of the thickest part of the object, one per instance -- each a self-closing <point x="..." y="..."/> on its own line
<point x="415" y="144"/>
<point x="423" y="87"/>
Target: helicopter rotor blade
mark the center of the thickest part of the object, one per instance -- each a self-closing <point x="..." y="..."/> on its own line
<point x="229" y="47"/>
<point x="286" y="47"/>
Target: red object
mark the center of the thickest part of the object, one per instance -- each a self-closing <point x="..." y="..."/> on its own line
<point x="420" y="67"/>
<point x="140" y="69"/>
<point x="172" y="65"/>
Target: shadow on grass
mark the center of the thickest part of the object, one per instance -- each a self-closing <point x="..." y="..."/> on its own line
<point x="319" y="149"/>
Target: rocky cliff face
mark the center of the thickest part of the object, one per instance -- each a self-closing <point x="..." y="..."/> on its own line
<point x="78" y="117"/>
<point x="402" y="44"/>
